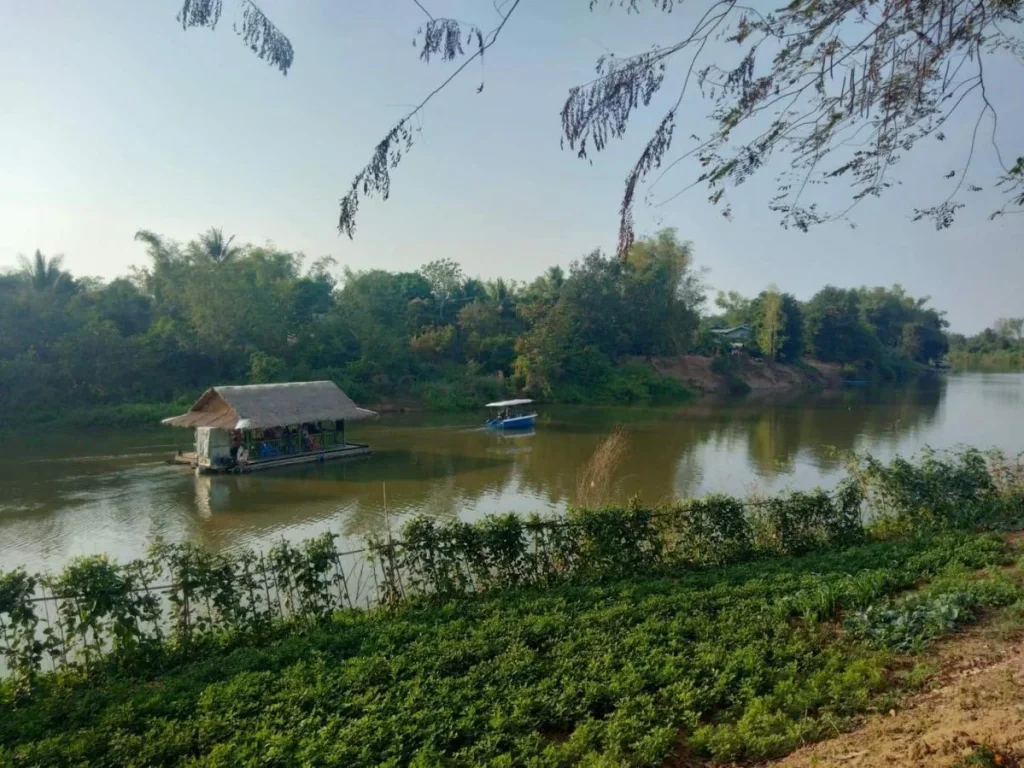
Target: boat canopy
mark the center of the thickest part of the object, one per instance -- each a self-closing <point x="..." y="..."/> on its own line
<point x="508" y="403"/>
<point x="270" y="405"/>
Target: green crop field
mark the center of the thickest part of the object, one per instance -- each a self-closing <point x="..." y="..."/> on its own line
<point x="736" y="662"/>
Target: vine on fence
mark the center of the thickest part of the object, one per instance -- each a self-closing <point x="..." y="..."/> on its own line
<point x="180" y="594"/>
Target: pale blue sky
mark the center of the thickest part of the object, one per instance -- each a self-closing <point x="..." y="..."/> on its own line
<point x="114" y="119"/>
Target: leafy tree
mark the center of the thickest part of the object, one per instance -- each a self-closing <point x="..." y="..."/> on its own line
<point x="736" y="310"/>
<point x="802" y="82"/>
<point x="833" y="328"/>
<point x="1011" y="328"/>
<point x="433" y="343"/>
<point x="663" y="295"/>
<point x="445" y="278"/>
<point x="124" y="305"/>
<point x="886" y="311"/>
<point x="923" y="343"/>
<point x="264" y="369"/>
<point x="478" y="321"/>
<point x="771" y="323"/>
<point x="184" y="321"/>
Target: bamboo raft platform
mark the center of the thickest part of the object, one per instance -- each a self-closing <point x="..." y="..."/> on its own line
<point x="347" y="451"/>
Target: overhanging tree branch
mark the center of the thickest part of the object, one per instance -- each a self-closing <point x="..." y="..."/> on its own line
<point x="256" y="30"/>
<point x="375" y="177"/>
<point x="842" y="88"/>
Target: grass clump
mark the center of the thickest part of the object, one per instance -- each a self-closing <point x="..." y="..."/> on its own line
<point x="983" y="756"/>
<point x="594" y="480"/>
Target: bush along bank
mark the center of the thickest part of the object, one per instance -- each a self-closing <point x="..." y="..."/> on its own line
<point x="629" y="634"/>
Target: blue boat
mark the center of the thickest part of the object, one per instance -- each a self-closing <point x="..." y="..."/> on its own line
<point x="511" y="414"/>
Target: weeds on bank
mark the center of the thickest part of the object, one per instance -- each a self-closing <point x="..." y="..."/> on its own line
<point x="988" y="757"/>
<point x="712" y="628"/>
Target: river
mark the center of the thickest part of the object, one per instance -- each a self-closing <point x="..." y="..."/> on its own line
<point x="65" y="493"/>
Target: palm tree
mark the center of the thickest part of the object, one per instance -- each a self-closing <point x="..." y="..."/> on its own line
<point x="497" y="291"/>
<point x="556" y="278"/>
<point x="216" y="247"/>
<point x="42" y="275"/>
<point x="500" y="294"/>
<point x="549" y="286"/>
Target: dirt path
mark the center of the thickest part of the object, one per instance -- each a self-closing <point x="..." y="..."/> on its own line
<point x="977" y="697"/>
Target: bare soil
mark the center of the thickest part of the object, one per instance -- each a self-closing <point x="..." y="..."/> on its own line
<point x="695" y="371"/>
<point x="976" y="698"/>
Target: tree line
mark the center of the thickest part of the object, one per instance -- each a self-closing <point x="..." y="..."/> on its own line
<point x="211" y="312"/>
<point x="873" y="330"/>
<point x="999" y="348"/>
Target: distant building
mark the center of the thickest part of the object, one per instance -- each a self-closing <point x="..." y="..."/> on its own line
<point x="737" y="334"/>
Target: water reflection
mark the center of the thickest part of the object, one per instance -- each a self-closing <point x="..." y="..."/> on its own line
<point x="112" y="492"/>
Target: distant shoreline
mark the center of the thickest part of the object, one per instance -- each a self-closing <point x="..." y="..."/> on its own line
<point x="692" y="372"/>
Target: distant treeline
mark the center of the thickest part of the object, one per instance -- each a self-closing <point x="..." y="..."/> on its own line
<point x="210" y="312"/>
<point x="1000" y="348"/>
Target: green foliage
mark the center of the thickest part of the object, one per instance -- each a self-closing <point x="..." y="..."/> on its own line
<point x="874" y="328"/>
<point x="912" y="623"/>
<point x="712" y="530"/>
<point x="983" y="756"/>
<point x="938" y="490"/>
<point x="789" y="333"/>
<point x="802" y="521"/>
<point x="998" y="349"/>
<point x="634" y="383"/>
<point x="433" y="343"/>
<point x="719" y="663"/>
<point x="209" y="312"/>
<point x="834" y="330"/>
<point x="461" y="391"/>
<point x="124" y="415"/>
<point x="182" y="595"/>
<point x="605" y="310"/>
<point x="264" y="369"/>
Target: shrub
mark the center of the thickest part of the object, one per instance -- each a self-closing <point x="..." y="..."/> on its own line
<point x="940" y="489"/>
<point x="707" y="531"/>
<point x="804" y="520"/>
<point x="181" y="596"/>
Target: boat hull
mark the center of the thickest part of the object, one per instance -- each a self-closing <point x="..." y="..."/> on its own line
<point x="516" y="422"/>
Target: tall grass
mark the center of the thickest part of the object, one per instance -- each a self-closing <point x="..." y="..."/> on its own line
<point x="997" y="361"/>
<point x="596" y="478"/>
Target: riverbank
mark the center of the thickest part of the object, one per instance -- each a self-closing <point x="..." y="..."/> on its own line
<point x="660" y="381"/>
<point x="631" y="383"/>
<point x="1000" y="361"/>
<point x="97" y="416"/>
<point x="714" y="630"/>
<point x="738" y="663"/>
<point x="738" y="374"/>
<point x="964" y="713"/>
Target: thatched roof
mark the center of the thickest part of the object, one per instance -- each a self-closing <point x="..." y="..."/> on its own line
<point x="270" y="405"/>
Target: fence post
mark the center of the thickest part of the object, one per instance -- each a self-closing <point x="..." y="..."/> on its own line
<point x="185" y="586"/>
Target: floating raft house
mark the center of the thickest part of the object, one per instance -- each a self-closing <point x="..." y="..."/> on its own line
<point x="249" y="428"/>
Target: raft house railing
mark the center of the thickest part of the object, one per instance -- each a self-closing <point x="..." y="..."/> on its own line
<point x="261" y="447"/>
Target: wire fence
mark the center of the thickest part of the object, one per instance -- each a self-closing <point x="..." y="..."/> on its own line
<point x="179" y="595"/>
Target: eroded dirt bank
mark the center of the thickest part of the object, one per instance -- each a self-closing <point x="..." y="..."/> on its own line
<point x="695" y="371"/>
<point x="976" y="698"/>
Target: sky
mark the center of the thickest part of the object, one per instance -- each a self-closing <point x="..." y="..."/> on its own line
<point x="114" y="119"/>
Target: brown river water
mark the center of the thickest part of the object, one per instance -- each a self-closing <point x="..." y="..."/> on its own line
<point x="64" y="494"/>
